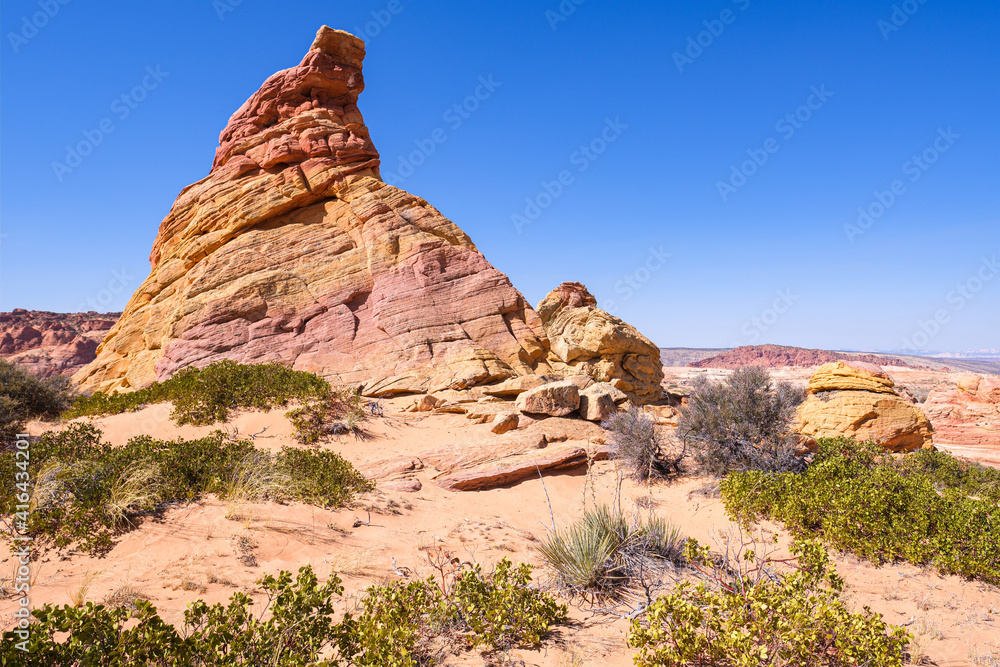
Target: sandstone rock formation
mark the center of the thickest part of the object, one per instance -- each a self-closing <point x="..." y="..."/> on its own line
<point x="967" y="413"/>
<point x="585" y="339"/>
<point x="782" y="356"/>
<point x="294" y="250"/>
<point x="50" y="344"/>
<point x="857" y="400"/>
<point x="557" y="399"/>
<point x="599" y="401"/>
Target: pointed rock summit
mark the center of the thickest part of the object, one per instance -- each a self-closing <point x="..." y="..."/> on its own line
<point x="293" y="249"/>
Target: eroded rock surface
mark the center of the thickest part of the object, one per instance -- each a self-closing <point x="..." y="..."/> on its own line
<point x="292" y="249"/>
<point x="50" y="344"/>
<point x="585" y="339"/>
<point x="967" y="413"/>
<point x="859" y="401"/>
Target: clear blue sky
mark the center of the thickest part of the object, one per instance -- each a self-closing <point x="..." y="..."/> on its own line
<point x="680" y="116"/>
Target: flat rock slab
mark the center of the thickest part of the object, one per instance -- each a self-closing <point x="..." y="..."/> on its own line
<point x="521" y="467"/>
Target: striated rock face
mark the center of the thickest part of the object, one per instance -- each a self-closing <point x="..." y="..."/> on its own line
<point x="968" y="413"/>
<point x="50" y="344"/>
<point x="859" y="401"/>
<point x="782" y="356"/>
<point x="585" y="339"/>
<point x="292" y="249"/>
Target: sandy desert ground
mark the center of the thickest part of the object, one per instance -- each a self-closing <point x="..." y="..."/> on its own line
<point x="193" y="550"/>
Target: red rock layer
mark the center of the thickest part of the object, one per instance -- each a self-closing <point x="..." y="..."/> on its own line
<point x="50" y="344"/>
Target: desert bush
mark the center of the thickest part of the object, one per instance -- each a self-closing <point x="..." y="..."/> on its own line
<point x="397" y="624"/>
<point x="334" y="413"/>
<point x="24" y="396"/>
<point x="83" y="491"/>
<point x="742" y="423"/>
<point x="414" y="623"/>
<point x="797" y="618"/>
<point x="208" y="395"/>
<point x="604" y="553"/>
<point x="639" y="446"/>
<point x="926" y="508"/>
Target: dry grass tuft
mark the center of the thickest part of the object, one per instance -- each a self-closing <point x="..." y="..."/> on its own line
<point x="125" y="596"/>
<point x="257" y="478"/>
<point x="79" y="595"/>
<point x="136" y="488"/>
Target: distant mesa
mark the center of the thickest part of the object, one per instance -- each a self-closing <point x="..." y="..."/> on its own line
<point x="781" y="356"/>
<point x="293" y="249"/>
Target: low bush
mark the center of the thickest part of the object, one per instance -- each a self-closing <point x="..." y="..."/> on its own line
<point x="397" y="625"/>
<point x="208" y="395"/>
<point x="797" y="618"/>
<point x="83" y="491"/>
<point x="24" y="396"/>
<point x="602" y="555"/>
<point x="742" y="423"/>
<point x="334" y="413"/>
<point x="639" y="446"/>
<point x="924" y="508"/>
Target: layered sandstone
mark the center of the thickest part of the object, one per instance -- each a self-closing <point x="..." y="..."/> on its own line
<point x="859" y="401"/>
<point x="293" y="249"/>
<point x="50" y="344"/>
<point x="968" y="412"/>
<point x="586" y="340"/>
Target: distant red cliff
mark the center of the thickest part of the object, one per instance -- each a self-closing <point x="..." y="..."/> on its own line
<point x="50" y="344"/>
<point x="779" y="356"/>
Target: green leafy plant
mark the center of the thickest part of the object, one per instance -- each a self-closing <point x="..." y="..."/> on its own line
<point x="208" y="395"/>
<point x="85" y="492"/>
<point x="924" y="508"/>
<point x="296" y="626"/>
<point x="797" y="618"/>
<point x="742" y="423"/>
<point x="24" y="396"/>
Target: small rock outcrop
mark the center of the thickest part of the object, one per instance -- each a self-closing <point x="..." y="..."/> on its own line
<point x="858" y="400"/>
<point x="967" y="413"/>
<point x="556" y="399"/>
<point x="585" y="339"/>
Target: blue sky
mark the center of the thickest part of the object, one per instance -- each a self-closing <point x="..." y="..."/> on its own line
<point x="713" y="155"/>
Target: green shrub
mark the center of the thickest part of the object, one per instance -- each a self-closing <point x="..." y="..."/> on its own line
<point x="334" y="413"/>
<point x="208" y="395"/>
<point x="403" y="625"/>
<point x="794" y="619"/>
<point x="639" y="446"/>
<point x="24" y="396"/>
<point x="742" y="423"/>
<point x="924" y="508"/>
<point x="603" y="554"/>
<point x="84" y="492"/>
<point x="396" y="626"/>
